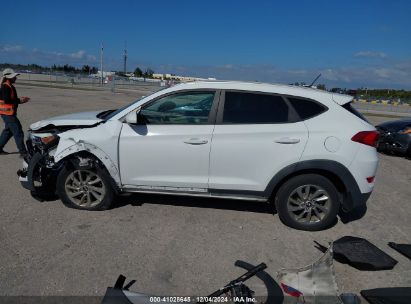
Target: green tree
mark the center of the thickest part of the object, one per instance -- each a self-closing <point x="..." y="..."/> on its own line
<point x="148" y="73"/>
<point x="138" y="72"/>
<point x="85" y="69"/>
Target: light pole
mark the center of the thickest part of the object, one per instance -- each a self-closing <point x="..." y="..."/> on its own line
<point x="101" y="64"/>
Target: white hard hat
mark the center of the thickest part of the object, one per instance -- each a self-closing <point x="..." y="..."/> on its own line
<point x="9" y="73"/>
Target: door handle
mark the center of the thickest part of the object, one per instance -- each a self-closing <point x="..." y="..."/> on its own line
<point x="287" y="140"/>
<point x="196" y="141"/>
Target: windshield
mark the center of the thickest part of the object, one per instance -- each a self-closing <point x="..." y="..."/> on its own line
<point x="106" y="115"/>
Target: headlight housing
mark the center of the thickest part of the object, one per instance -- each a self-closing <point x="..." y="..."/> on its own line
<point x="42" y="140"/>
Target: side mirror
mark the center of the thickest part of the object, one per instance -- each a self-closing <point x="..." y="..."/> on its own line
<point x="132" y="117"/>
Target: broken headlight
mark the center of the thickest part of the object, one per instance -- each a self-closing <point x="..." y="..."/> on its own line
<point x="42" y="140"/>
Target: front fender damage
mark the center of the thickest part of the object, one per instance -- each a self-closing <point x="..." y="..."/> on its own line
<point x="99" y="150"/>
<point x="40" y="173"/>
<point x="70" y="147"/>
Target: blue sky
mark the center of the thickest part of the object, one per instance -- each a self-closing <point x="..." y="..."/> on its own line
<point x="352" y="43"/>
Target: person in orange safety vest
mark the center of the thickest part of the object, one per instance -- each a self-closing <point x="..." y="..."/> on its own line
<point x="9" y="103"/>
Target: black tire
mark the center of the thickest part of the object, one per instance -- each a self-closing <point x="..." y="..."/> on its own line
<point x="288" y="198"/>
<point x="103" y="203"/>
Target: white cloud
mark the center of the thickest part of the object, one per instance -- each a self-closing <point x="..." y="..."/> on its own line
<point x="370" y="54"/>
<point x="382" y="75"/>
<point x="18" y="54"/>
<point x="78" y="55"/>
<point x="377" y="73"/>
<point x="10" y="48"/>
<point x="91" y="58"/>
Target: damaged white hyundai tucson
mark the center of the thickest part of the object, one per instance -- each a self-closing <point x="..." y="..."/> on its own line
<point x="306" y="151"/>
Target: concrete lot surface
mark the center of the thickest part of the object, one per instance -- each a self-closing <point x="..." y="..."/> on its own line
<point x="173" y="245"/>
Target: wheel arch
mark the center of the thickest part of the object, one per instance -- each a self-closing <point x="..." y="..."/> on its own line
<point x="337" y="173"/>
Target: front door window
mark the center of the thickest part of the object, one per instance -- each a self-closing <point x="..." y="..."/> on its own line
<point x="180" y="109"/>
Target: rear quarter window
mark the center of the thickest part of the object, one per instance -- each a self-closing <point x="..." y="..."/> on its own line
<point x="306" y="108"/>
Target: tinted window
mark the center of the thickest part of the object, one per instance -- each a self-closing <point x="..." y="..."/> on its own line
<point x="250" y="108"/>
<point x="183" y="108"/>
<point x="306" y="108"/>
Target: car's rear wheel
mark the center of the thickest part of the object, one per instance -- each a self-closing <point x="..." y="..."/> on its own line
<point x="87" y="189"/>
<point x="307" y="202"/>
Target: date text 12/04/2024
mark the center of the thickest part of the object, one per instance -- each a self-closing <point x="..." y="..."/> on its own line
<point x="222" y="299"/>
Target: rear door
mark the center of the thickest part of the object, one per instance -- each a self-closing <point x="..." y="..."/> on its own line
<point x="255" y="136"/>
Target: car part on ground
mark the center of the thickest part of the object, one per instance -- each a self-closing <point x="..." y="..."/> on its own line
<point x="311" y="284"/>
<point x="350" y="298"/>
<point x="396" y="295"/>
<point x="233" y="140"/>
<point x="360" y="254"/>
<point x="404" y="249"/>
<point x="235" y="291"/>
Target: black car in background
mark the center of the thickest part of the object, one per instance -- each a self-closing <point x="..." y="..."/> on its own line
<point x="395" y="137"/>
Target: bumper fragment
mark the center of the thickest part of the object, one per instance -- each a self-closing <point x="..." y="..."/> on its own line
<point x="30" y="175"/>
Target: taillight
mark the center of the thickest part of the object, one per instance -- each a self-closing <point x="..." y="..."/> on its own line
<point x="368" y="138"/>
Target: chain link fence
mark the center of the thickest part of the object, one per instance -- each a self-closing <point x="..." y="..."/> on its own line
<point x="84" y="81"/>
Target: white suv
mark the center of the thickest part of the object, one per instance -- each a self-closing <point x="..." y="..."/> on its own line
<point x="307" y="151"/>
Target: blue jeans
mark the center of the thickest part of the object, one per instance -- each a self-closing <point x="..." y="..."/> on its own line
<point x="12" y="128"/>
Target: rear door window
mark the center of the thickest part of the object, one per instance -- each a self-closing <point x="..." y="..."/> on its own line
<point x="255" y="108"/>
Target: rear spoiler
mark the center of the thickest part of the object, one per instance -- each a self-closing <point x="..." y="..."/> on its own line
<point x="342" y="99"/>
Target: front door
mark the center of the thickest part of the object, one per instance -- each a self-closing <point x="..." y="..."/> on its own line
<point x="170" y="149"/>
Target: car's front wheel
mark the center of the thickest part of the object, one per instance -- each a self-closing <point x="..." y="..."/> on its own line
<point x="87" y="189"/>
<point x="307" y="202"/>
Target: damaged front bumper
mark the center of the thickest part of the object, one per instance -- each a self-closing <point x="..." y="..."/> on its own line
<point x="23" y="177"/>
<point x="38" y="173"/>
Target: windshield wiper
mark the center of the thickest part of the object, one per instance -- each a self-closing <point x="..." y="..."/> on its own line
<point x="104" y="114"/>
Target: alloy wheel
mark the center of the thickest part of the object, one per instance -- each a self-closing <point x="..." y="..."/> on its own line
<point x="309" y="204"/>
<point x="85" y="188"/>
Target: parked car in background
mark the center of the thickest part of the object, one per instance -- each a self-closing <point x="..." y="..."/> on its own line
<point x="307" y="151"/>
<point x="395" y="137"/>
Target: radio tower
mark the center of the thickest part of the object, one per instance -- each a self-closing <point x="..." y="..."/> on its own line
<point x="125" y="58"/>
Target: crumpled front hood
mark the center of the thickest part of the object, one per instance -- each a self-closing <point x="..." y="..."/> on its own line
<point x="75" y="119"/>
